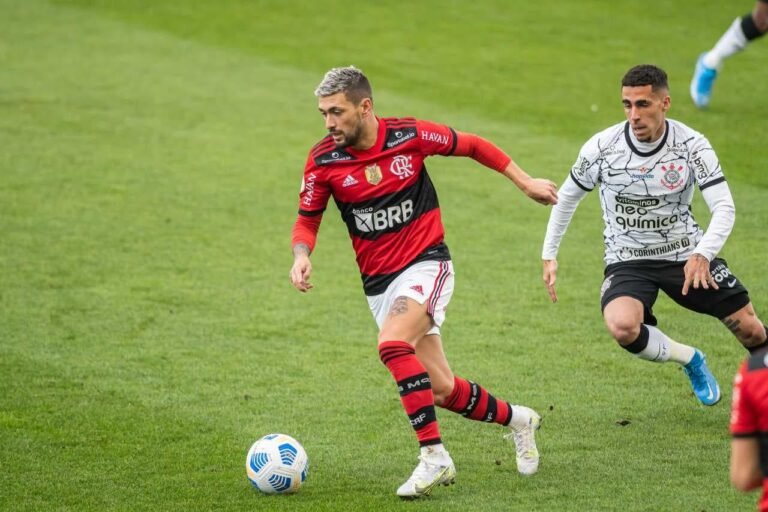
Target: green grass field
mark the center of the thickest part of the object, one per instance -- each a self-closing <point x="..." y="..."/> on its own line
<point x="150" y="158"/>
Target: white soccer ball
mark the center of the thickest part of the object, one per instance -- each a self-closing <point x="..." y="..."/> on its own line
<point x="277" y="464"/>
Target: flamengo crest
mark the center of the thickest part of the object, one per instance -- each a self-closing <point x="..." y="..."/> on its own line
<point x="401" y="166"/>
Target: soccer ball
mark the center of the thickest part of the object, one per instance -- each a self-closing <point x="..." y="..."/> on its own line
<point x="277" y="464"/>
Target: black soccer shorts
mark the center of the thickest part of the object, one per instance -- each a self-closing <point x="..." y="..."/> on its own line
<point x="642" y="280"/>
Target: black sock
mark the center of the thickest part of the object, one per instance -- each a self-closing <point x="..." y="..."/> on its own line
<point x="640" y="343"/>
<point x="760" y="346"/>
<point x="749" y="28"/>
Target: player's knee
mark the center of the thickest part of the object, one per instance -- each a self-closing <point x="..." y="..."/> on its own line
<point x="761" y="21"/>
<point x="392" y="333"/>
<point x="623" y="332"/>
<point x="752" y="334"/>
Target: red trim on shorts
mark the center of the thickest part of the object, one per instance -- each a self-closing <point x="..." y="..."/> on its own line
<point x="437" y="289"/>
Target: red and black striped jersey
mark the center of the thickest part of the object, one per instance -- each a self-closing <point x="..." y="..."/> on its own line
<point x="384" y="195"/>
<point x="749" y="410"/>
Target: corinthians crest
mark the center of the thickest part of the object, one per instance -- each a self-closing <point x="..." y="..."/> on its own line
<point x="373" y="174"/>
<point x="673" y="176"/>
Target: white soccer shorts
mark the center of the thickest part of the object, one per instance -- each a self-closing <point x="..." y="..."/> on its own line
<point x="427" y="281"/>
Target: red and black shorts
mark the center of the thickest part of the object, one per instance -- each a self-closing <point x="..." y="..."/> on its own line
<point x="642" y="280"/>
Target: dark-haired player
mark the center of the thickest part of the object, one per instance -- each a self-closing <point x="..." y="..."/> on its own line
<point x="373" y="168"/>
<point x="646" y="170"/>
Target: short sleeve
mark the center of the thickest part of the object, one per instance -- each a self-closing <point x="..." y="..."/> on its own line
<point x="585" y="172"/>
<point x="435" y="139"/>
<point x="704" y="164"/>
<point x="314" y="191"/>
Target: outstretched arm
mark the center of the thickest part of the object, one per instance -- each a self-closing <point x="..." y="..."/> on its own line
<point x="488" y="154"/>
<point x="540" y="190"/>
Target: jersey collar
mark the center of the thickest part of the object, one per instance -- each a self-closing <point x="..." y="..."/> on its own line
<point x="651" y="150"/>
<point x="376" y="148"/>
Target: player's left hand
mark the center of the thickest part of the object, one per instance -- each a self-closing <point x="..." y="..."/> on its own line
<point x="540" y="190"/>
<point x="550" y="276"/>
<point x="697" y="273"/>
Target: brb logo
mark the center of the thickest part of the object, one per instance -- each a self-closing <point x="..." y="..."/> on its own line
<point x="369" y="220"/>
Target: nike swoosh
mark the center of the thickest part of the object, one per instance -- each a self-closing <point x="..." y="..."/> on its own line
<point x="612" y="174"/>
<point x="731" y="283"/>
<point x="711" y="395"/>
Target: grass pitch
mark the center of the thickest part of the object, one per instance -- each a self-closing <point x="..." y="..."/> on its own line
<point x="151" y="156"/>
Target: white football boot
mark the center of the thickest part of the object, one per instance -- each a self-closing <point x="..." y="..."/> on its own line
<point x="524" y="437"/>
<point x="434" y="468"/>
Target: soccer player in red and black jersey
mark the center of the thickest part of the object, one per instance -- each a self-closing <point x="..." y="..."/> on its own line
<point x="373" y="168"/>
<point x="749" y="427"/>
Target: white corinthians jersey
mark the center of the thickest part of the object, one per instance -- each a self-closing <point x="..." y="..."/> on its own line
<point x="645" y="193"/>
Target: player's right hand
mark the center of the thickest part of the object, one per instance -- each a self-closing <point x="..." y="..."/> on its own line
<point x="300" y="272"/>
<point x="550" y="276"/>
<point x="542" y="191"/>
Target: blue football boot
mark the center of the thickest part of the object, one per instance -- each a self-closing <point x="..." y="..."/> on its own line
<point x="704" y="384"/>
<point x="701" y="84"/>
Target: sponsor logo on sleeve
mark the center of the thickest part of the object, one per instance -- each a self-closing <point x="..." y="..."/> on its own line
<point x="580" y="169"/>
<point x="702" y="170"/>
<point x="308" y="186"/>
<point x="440" y="138"/>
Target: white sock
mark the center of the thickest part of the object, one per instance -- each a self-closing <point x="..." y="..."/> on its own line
<point x="435" y="451"/>
<point x="732" y="42"/>
<point x="521" y="416"/>
<point x="662" y="348"/>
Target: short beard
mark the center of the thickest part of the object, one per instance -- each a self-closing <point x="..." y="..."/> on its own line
<point x="351" y="139"/>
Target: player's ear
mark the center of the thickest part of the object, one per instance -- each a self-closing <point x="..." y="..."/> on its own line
<point x="366" y="105"/>
<point x="665" y="103"/>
